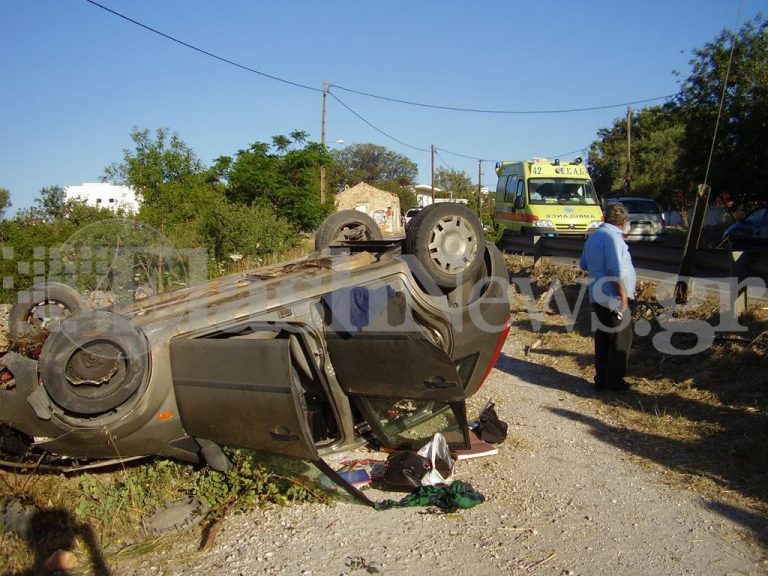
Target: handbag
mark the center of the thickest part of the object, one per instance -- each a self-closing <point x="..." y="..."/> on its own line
<point x="491" y="428"/>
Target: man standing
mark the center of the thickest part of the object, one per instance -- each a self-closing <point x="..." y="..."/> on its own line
<point x="611" y="285"/>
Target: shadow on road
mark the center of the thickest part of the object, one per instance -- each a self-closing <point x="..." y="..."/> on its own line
<point x="725" y="454"/>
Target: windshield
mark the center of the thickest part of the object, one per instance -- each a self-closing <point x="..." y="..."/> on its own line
<point x="641" y="206"/>
<point x="560" y="191"/>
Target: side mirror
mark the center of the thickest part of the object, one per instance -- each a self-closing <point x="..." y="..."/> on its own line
<point x="519" y="203"/>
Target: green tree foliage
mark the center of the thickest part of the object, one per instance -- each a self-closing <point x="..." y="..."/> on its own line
<point x="455" y="184"/>
<point x="405" y="194"/>
<point x="230" y="230"/>
<point x="188" y="202"/>
<point x="374" y="165"/>
<point x="51" y="203"/>
<point x="377" y="166"/>
<point x="283" y="176"/>
<point x="5" y="201"/>
<point x="656" y="136"/>
<point x="156" y="161"/>
<point x="740" y="157"/>
<point x="671" y="144"/>
<point x="31" y="239"/>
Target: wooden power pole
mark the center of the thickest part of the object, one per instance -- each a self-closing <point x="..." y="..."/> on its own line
<point x="322" y="143"/>
<point x="480" y="189"/>
<point x="433" y="173"/>
<point x="628" y="185"/>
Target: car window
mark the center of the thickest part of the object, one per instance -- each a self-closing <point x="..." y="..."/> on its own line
<point x="412" y="423"/>
<point x="641" y="206"/>
<point x="757" y="216"/>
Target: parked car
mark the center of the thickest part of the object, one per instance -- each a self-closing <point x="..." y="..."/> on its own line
<point x="749" y="232"/>
<point x="646" y="222"/>
<point x="370" y="339"/>
<point x="410" y="215"/>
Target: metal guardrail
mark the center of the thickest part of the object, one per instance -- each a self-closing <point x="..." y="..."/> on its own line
<point x="657" y="257"/>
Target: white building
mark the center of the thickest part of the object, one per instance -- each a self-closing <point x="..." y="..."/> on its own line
<point x="424" y="194"/>
<point x="104" y="195"/>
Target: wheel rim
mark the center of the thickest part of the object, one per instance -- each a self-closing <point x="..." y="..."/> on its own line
<point x="93" y="363"/>
<point x="43" y="313"/>
<point x="352" y="232"/>
<point x="452" y="244"/>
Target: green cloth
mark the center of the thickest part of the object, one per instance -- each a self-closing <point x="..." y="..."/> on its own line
<point x="447" y="498"/>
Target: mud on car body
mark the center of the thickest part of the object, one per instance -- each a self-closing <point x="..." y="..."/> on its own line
<point x="362" y="340"/>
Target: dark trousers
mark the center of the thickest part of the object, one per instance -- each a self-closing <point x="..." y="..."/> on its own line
<point x="613" y="339"/>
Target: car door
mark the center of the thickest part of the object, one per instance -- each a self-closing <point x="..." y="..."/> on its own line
<point x="760" y="227"/>
<point x="387" y="360"/>
<point x="246" y="393"/>
<point x="404" y="385"/>
<point x="241" y="392"/>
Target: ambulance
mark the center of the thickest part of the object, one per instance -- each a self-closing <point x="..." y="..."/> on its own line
<point x="547" y="198"/>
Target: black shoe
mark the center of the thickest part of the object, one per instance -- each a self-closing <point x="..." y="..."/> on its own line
<point x="599" y="386"/>
<point x="621" y="386"/>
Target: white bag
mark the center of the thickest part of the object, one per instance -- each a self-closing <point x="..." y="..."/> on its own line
<point x="436" y="451"/>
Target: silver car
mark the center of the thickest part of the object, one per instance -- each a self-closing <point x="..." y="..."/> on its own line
<point x="364" y="340"/>
<point x="646" y="222"/>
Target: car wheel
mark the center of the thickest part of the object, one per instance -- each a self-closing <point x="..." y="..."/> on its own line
<point x="448" y="240"/>
<point x="41" y="305"/>
<point x="344" y="226"/>
<point x="93" y="363"/>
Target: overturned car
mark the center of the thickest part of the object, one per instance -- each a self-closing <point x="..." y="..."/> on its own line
<point x="365" y="340"/>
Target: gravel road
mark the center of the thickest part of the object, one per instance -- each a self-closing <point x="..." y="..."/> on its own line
<point x="562" y="498"/>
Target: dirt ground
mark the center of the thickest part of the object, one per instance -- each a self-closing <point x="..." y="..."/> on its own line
<point x="573" y="490"/>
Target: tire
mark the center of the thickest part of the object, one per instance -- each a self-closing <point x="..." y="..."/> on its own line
<point x="41" y="305"/>
<point x="448" y="241"/>
<point x="346" y="225"/>
<point x="93" y="363"/>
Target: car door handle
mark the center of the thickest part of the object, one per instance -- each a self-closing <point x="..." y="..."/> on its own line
<point x="439" y="383"/>
<point x="283" y="434"/>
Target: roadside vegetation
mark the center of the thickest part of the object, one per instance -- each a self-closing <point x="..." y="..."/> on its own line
<point x="698" y="420"/>
<point x="105" y="517"/>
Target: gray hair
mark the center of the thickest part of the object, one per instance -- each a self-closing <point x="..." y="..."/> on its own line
<point x="616" y="213"/>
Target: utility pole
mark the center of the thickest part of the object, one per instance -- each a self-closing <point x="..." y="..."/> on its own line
<point x="322" y="143"/>
<point x="480" y="189"/>
<point x="628" y="184"/>
<point x="433" y="173"/>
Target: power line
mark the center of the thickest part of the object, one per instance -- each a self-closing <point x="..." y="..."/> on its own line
<point x="442" y="159"/>
<point x="201" y="51"/>
<point x="379" y="130"/>
<point x="466" y="156"/>
<point x="363" y="93"/>
<point x="483" y="111"/>
<point x="583" y="150"/>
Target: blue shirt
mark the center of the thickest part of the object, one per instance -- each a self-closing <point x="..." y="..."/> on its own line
<point x="606" y="258"/>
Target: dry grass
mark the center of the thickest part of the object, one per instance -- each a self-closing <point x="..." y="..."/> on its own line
<point x="699" y="420"/>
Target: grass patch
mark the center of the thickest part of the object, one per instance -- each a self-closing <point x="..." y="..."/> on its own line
<point x="101" y="516"/>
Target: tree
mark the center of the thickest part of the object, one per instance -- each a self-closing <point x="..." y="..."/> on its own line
<point x="51" y="203"/>
<point x="156" y="162"/>
<point x="175" y="187"/>
<point x="283" y="176"/>
<point x="740" y="158"/>
<point x="455" y="184"/>
<point x="372" y="164"/>
<point x="230" y="230"/>
<point x="656" y="136"/>
<point x="5" y="201"/>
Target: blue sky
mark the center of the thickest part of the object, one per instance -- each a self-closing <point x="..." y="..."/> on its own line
<point x="76" y="79"/>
